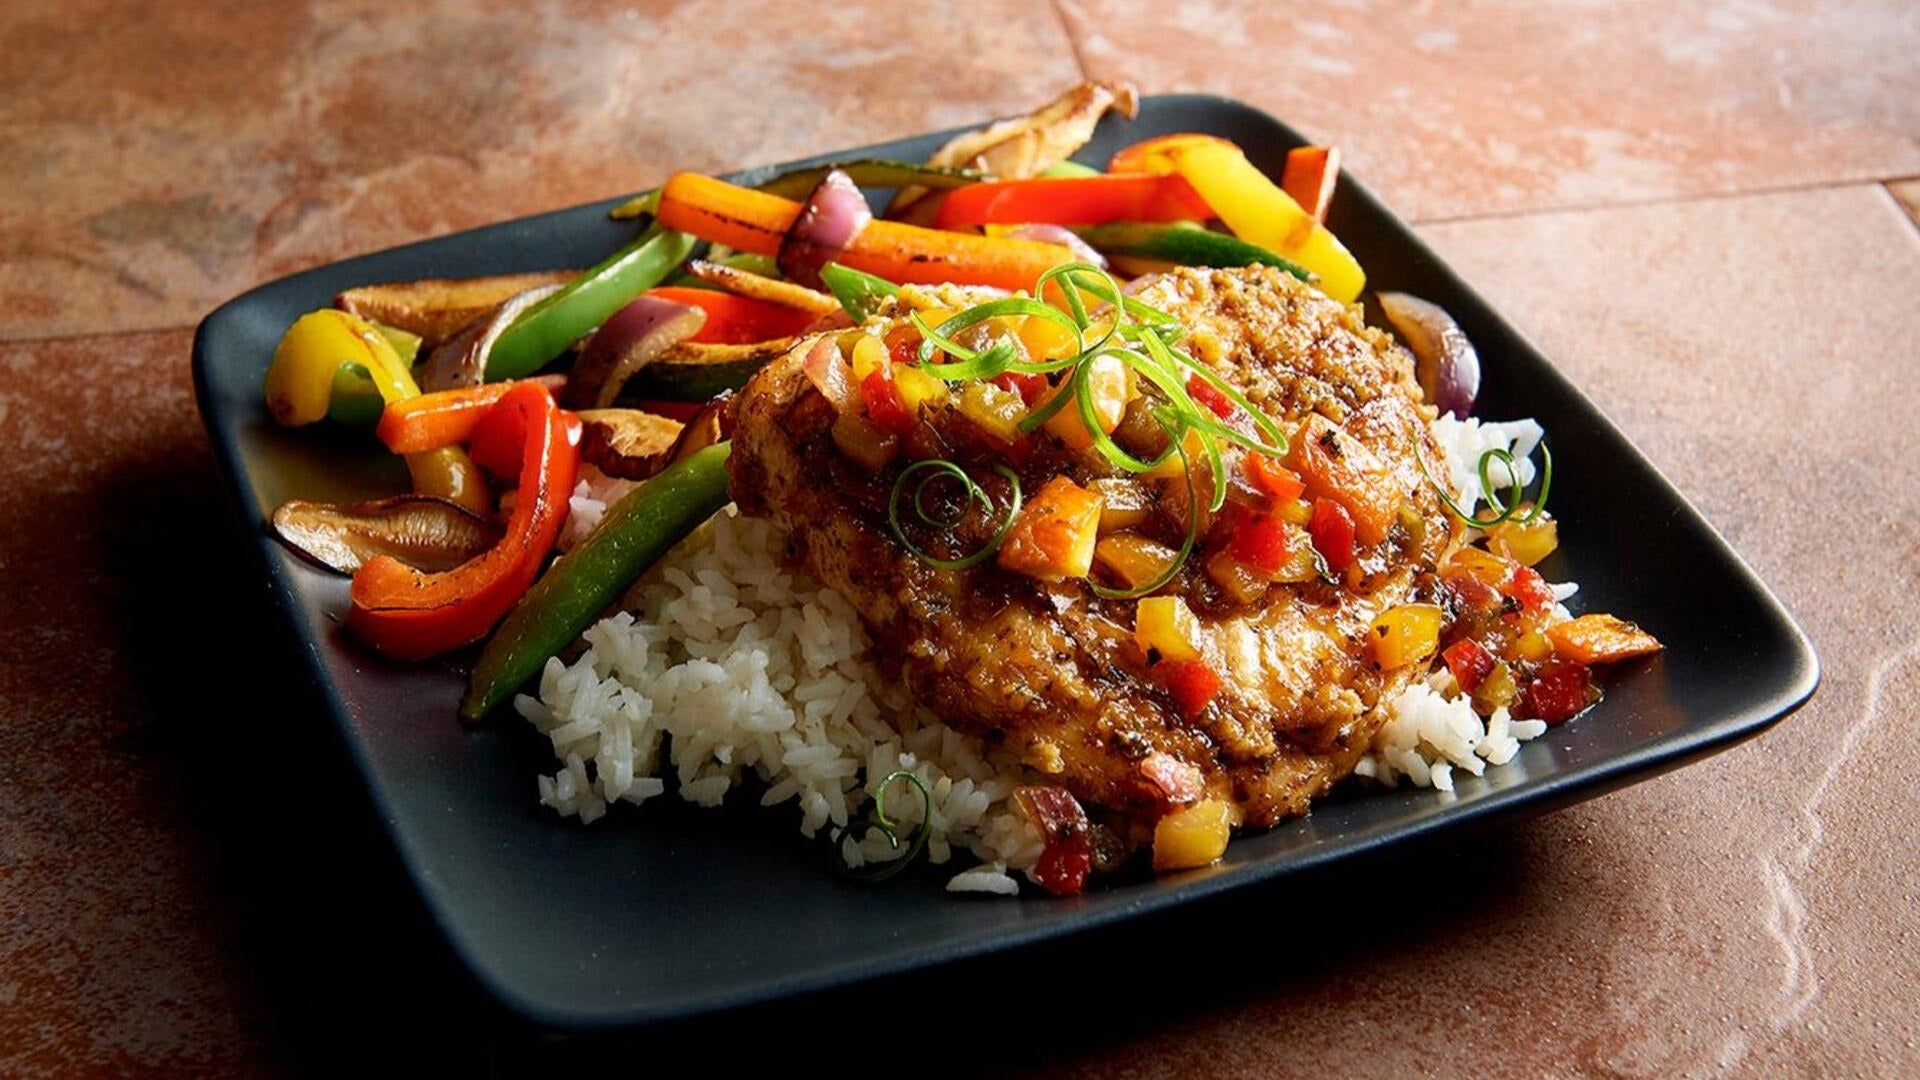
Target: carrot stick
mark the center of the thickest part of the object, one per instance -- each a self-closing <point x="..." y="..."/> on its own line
<point x="754" y="221"/>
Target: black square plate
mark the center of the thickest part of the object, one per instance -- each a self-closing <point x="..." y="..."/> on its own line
<point x="664" y="911"/>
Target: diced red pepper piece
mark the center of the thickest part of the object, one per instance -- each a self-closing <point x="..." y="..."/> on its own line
<point x="1028" y="385"/>
<point x="1194" y="685"/>
<point x="1267" y="474"/>
<point x="1209" y="395"/>
<point x="1331" y="528"/>
<point x="884" y="406"/>
<point x="1260" y="542"/>
<point x="1530" y="589"/>
<point x="903" y="345"/>
<point x="1067" y="857"/>
<point x="1469" y="662"/>
<point x="1558" y="693"/>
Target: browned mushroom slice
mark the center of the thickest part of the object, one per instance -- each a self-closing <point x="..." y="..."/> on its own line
<point x="426" y="533"/>
<point x="1024" y="146"/>
<point x="713" y="423"/>
<point x="628" y="443"/>
<point x="437" y="308"/>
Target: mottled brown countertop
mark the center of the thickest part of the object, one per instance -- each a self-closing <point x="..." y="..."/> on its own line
<point x="1696" y="210"/>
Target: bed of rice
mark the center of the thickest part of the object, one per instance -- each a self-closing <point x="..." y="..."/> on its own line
<point x="727" y="671"/>
<point x="756" y="673"/>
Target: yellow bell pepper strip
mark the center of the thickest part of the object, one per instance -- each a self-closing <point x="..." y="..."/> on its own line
<point x="546" y="329"/>
<point x="411" y="615"/>
<point x="742" y="218"/>
<point x="1251" y="205"/>
<point x="300" y="382"/>
<point x="637" y="530"/>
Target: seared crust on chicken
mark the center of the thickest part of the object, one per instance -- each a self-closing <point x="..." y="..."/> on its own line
<point x="1052" y="671"/>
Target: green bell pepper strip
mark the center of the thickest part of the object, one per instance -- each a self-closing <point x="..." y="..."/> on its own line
<point x="356" y="401"/>
<point x="635" y="533"/>
<point x="546" y="329"/>
<point x="858" y="292"/>
<point x="1183" y="243"/>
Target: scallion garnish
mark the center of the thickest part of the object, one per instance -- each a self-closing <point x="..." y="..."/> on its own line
<point x="874" y="873"/>
<point x="940" y="468"/>
<point x="1516" y="494"/>
<point x="1135" y="333"/>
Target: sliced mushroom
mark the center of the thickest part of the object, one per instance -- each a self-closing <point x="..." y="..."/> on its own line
<point x="461" y="360"/>
<point x="710" y="425"/>
<point x="438" y="308"/>
<point x="628" y="443"/>
<point x="426" y="533"/>
<point x="1024" y="146"/>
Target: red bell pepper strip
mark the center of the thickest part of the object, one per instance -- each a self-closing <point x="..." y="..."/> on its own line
<point x="444" y="417"/>
<point x="411" y="615"/>
<point x="736" y="320"/>
<point x="1073" y="200"/>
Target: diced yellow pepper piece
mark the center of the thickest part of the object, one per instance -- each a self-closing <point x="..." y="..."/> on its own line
<point x="859" y="439"/>
<point x="869" y="355"/>
<point x="1045" y="339"/>
<point x="917" y="389"/>
<point x="1133" y="558"/>
<point x="1533" y="647"/>
<point x="1124" y="503"/>
<point x="1107" y="390"/>
<point x="1054" y="535"/>
<point x="1192" y="836"/>
<point x="1530" y="542"/>
<point x="1165" y="626"/>
<point x="1405" y="635"/>
<point x="996" y="409"/>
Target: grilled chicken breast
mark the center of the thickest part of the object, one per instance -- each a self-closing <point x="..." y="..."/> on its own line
<point x="1052" y="670"/>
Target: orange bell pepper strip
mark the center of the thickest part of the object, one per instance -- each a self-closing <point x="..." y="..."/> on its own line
<point x="445" y="417"/>
<point x="736" y="320"/>
<point x="754" y="221"/>
<point x="411" y="615"/>
<point x="1310" y="176"/>
<point x="1251" y="205"/>
<point x="1073" y="200"/>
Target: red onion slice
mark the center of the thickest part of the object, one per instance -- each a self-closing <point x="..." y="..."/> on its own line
<point x="461" y="360"/>
<point x="833" y="215"/>
<point x="1065" y="237"/>
<point x="626" y="343"/>
<point x="830" y="374"/>
<point x="1445" y="361"/>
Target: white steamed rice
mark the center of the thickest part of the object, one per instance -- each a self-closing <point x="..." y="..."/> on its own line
<point x="750" y="675"/>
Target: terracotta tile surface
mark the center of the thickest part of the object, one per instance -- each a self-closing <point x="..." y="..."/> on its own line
<point x="1450" y="109"/>
<point x="1908" y="194"/>
<point x="151" y="172"/>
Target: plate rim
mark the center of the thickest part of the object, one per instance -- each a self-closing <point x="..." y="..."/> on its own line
<point x="1551" y="792"/>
